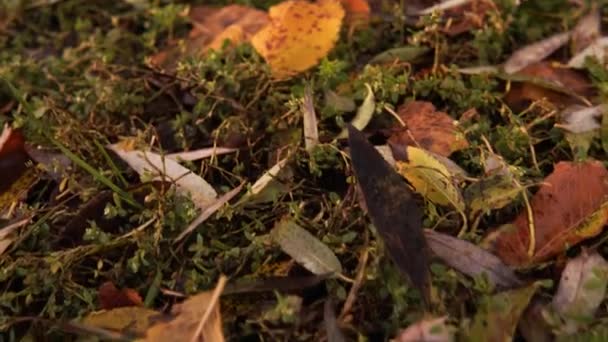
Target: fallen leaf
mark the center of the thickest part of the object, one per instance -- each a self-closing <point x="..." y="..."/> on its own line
<point x="198" y="318"/>
<point x="8" y="234"/>
<point x="533" y="326"/>
<point x="498" y="315"/>
<point x="393" y="211"/>
<point x="299" y="34"/>
<point x="17" y="177"/>
<point x="357" y="12"/>
<point x="470" y="259"/>
<point x="404" y="54"/>
<point x="491" y="193"/>
<point x="147" y="163"/>
<point x="570" y="206"/>
<point x="311" y="131"/>
<point x="545" y="81"/>
<point x="581" y="290"/>
<point x="270" y="185"/>
<point x="429" y="129"/>
<point x="364" y="113"/>
<point x="580" y="119"/>
<point x="596" y="49"/>
<point x="426" y="330"/>
<point x="110" y="297"/>
<point x="587" y="30"/>
<point x="201" y="154"/>
<point x="305" y="248"/>
<point x="430" y="178"/>
<point x="466" y="16"/>
<point x="131" y="319"/>
<point x="535" y="52"/>
<point x="210" y="210"/>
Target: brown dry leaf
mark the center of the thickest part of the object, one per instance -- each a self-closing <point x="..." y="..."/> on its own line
<point x="570" y="81"/>
<point x="110" y="297"/>
<point x="212" y="26"/>
<point x="196" y="319"/>
<point x="429" y="129"/>
<point x="299" y="34"/>
<point x="570" y="206"/>
<point x="357" y="13"/>
<point x="466" y="17"/>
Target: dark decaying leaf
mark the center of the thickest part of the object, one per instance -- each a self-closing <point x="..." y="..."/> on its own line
<point x="393" y="211"/>
<point x="470" y="259"/>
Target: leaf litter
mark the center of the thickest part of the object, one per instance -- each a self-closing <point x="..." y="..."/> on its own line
<point x="185" y="77"/>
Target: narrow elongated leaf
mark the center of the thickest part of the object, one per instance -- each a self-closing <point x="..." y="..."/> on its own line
<point x="311" y="131"/>
<point x="402" y="54"/>
<point x="364" y="113"/>
<point x="596" y="49"/>
<point x="470" y="259"/>
<point x="393" y="211"/>
<point x="535" y="52"/>
<point x="187" y="182"/>
<point x="305" y="248"/>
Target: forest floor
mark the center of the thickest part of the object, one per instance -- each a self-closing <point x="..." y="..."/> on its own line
<point x="280" y="225"/>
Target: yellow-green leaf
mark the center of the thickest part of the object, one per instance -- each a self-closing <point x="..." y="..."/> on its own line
<point x="430" y="178"/>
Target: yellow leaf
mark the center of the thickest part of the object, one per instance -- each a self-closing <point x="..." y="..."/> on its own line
<point x="299" y="34"/>
<point x="132" y="319"/>
<point x="430" y="178"/>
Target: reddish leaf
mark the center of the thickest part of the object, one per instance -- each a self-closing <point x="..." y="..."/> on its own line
<point x="17" y="178"/>
<point x="110" y="297"/>
<point x="569" y="207"/>
<point x="425" y="127"/>
<point x="572" y="83"/>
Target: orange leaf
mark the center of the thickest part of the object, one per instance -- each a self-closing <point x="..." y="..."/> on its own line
<point x="110" y="297"/>
<point x="425" y="127"/>
<point x="17" y="178"/>
<point x="570" y="206"/>
<point x="299" y="34"/>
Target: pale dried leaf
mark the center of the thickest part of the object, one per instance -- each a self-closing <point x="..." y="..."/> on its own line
<point x="7" y="234"/>
<point x="311" y="131"/>
<point x="426" y="330"/>
<point x="305" y="248"/>
<point x="149" y="163"/>
<point x="597" y="49"/>
<point x="579" y="119"/>
<point x="268" y="176"/>
<point x="201" y="153"/>
<point x="364" y="113"/>
<point x="334" y="333"/>
<point x="470" y="259"/>
<point x="535" y="52"/>
<point x="582" y="288"/>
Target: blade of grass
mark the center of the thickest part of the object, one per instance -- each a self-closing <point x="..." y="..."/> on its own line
<point x="96" y="174"/>
<point x="111" y="163"/>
